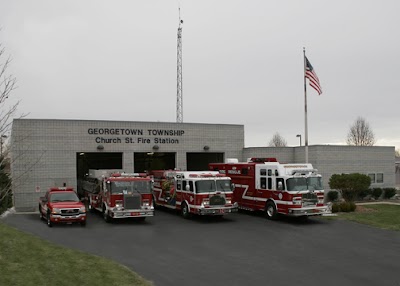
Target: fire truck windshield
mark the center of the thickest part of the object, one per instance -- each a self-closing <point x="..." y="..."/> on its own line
<point x="64" y="197"/>
<point x="125" y="187"/>
<point x="223" y="185"/>
<point x="304" y="184"/>
<point x="205" y="186"/>
<point x="209" y="186"/>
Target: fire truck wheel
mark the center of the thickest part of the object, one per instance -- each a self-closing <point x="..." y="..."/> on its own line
<point x="49" y="223"/>
<point x="270" y="210"/>
<point x="185" y="211"/>
<point x="105" y="215"/>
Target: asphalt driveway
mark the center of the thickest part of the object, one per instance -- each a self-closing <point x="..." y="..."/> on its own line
<point x="241" y="249"/>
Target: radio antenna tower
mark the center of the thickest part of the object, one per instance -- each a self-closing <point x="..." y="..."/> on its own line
<point x="179" y="99"/>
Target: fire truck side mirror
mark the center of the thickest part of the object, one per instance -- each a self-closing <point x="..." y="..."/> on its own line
<point x="280" y="186"/>
<point x="232" y="186"/>
<point x="187" y="188"/>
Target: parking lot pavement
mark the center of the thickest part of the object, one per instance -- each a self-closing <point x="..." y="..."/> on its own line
<point x="240" y="249"/>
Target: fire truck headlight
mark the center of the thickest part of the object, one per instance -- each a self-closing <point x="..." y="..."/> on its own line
<point x="118" y="205"/>
<point x="206" y="202"/>
<point x="228" y="201"/>
<point x="82" y="210"/>
<point x="320" y="201"/>
<point x="56" y="211"/>
<point x="297" y="200"/>
<point x="146" y="203"/>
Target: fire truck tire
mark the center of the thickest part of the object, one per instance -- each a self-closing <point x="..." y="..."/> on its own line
<point x="106" y="217"/>
<point x="270" y="210"/>
<point x="185" y="211"/>
<point x="49" y="223"/>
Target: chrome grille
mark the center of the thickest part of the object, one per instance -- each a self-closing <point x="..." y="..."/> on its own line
<point x="133" y="201"/>
<point x="309" y="199"/>
<point x="69" y="212"/>
<point x="217" y="201"/>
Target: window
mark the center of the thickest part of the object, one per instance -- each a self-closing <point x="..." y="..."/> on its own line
<point x="179" y="185"/>
<point x="263" y="183"/>
<point x="372" y="176"/>
<point x="281" y="181"/>
<point x="379" y="177"/>
<point x="269" y="172"/>
<point x="263" y="172"/>
<point x="269" y="183"/>
<point x="376" y="178"/>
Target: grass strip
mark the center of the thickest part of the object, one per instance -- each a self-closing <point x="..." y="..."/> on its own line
<point x="29" y="260"/>
<point x="383" y="216"/>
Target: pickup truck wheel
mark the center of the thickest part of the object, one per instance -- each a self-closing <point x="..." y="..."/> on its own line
<point x="270" y="210"/>
<point x="49" y="223"/>
<point x="106" y="217"/>
<point x="40" y="214"/>
<point x="185" y="211"/>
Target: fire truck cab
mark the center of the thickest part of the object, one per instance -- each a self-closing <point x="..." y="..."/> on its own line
<point x="263" y="184"/>
<point x="194" y="192"/>
<point x="119" y="195"/>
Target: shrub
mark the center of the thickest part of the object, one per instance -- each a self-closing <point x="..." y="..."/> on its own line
<point x="349" y="184"/>
<point x="376" y="193"/>
<point x="332" y="196"/>
<point x="343" y="207"/>
<point x="335" y="208"/>
<point x="389" y="192"/>
<point x="363" y="193"/>
<point x="352" y="206"/>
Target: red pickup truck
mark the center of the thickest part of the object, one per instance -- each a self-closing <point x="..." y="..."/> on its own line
<point x="62" y="205"/>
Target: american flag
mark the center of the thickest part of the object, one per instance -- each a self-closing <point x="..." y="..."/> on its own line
<point x="312" y="77"/>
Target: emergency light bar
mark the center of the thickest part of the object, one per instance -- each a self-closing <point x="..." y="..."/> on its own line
<point x="304" y="172"/>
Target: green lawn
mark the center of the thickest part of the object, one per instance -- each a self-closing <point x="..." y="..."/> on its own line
<point x="28" y="260"/>
<point x="380" y="215"/>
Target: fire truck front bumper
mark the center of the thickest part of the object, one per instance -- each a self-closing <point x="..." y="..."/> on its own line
<point x="309" y="211"/>
<point x="217" y="211"/>
<point x="132" y="213"/>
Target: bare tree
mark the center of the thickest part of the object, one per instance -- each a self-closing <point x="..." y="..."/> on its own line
<point x="360" y="133"/>
<point x="277" y="141"/>
<point x="7" y="85"/>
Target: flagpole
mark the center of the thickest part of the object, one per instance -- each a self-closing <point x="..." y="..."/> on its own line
<point x="305" y="107"/>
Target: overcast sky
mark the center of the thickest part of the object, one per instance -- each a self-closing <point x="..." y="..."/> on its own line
<point x="242" y="63"/>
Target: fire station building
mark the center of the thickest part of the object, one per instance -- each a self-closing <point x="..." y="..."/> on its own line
<point x="49" y="152"/>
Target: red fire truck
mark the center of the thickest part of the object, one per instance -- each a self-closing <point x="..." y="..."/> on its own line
<point x="263" y="184"/>
<point x="194" y="192"/>
<point x="119" y="195"/>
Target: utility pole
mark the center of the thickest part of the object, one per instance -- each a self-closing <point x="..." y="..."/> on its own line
<point x="179" y="93"/>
